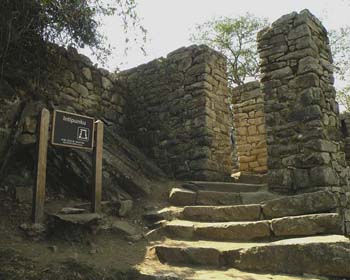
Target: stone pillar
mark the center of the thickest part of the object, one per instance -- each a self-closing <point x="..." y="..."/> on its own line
<point x="249" y="123"/>
<point x="302" y="117"/>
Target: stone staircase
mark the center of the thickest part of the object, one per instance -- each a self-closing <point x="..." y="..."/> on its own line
<point x="240" y="230"/>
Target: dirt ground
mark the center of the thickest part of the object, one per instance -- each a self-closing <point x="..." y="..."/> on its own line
<point x="105" y="255"/>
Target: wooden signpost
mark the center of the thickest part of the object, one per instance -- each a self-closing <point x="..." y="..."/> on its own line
<point x="72" y="131"/>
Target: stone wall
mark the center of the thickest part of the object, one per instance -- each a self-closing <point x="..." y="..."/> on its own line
<point x="81" y="87"/>
<point x="249" y="123"/>
<point x="75" y="85"/>
<point x="302" y="117"/>
<point x="178" y="113"/>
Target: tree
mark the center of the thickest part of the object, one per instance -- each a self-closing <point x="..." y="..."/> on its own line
<point x="27" y="26"/>
<point x="340" y="46"/>
<point x="236" y="39"/>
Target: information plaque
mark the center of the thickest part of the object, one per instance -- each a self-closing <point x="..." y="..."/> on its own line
<point x="72" y="130"/>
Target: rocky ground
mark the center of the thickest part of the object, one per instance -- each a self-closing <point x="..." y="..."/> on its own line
<point x="110" y="253"/>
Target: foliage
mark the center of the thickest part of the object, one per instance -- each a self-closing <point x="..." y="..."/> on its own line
<point x="26" y="26"/>
<point x="236" y="39"/>
<point x="340" y="45"/>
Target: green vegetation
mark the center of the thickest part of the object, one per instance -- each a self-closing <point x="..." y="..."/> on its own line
<point x="236" y="39"/>
<point x="26" y="26"/>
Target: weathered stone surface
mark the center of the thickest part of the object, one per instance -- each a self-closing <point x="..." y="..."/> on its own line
<point x="217" y="198"/>
<point x="106" y="83"/>
<point x="87" y="73"/>
<point x="178" y="113"/>
<point x="250" y="128"/>
<point x="125" y="207"/>
<point x="123" y="227"/>
<point x="239" y="231"/>
<point x="178" y="255"/>
<point x="127" y="172"/>
<point x="327" y="256"/>
<point x="168" y="213"/>
<point x="222" y="213"/>
<point x="307" y="225"/>
<point x="223" y="186"/>
<point x="324" y="176"/>
<point x="179" y="229"/>
<point x="181" y="197"/>
<point x="80" y="89"/>
<point x="258" y="197"/>
<point x="79" y="219"/>
<point x="307" y="203"/>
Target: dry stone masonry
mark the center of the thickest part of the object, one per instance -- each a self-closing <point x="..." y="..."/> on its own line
<point x="249" y="123"/>
<point x="75" y="85"/>
<point x="178" y="113"/>
<point x="302" y="117"/>
<point x="82" y="88"/>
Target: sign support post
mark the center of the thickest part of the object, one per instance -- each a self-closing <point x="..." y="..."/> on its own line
<point x="72" y="131"/>
<point x="97" y="169"/>
<point x="39" y="192"/>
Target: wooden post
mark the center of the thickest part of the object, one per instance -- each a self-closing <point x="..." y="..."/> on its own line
<point x="39" y="192"/>
<point x="97" y="168"/>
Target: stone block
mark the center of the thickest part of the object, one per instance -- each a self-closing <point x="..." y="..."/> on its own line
<point x="302" y="204"/>
<point x="181" y="197"/>
<point x="323" y="176"/>
<point x="309" y="64"/>
<point x="235" y="231"/>
<point x="217" y="198"/>
<point x="80" y="89"/>
<point x="307" y="225"/>
<point x="279" y="178"/>
<point x="322" y="145"/>
<point x="106" y="83"/>
<point x="222" y="213"/>
<point x="299" y="31"/>
<point x="87" y="73"/>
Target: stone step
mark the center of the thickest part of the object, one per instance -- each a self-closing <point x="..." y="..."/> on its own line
<point x="168" y="213"/>
<point x="250" y="212"/>
<point x="152" y="269"/>
<point x="223" y="186"/>
<point x="307" y="203"/>
<point x="251" y="178"/>
<point x="184" y="197"/>
<point x="292" y="256"/>
<point x="326" y="256"/>
<point x="305" y="225"/>
<point x="209" y="253"/>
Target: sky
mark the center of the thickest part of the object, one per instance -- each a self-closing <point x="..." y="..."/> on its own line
<point x="170" y="23"/>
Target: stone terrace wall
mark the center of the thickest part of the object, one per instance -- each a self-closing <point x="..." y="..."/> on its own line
<point x="249" y="123"/>
<point x="75" y="85"/>
<point x="302" y="118"/>
<point x="178" y="113"/>
<point x="81" y="87"/>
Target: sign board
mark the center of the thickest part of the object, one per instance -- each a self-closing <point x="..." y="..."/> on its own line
<point x="72" y="130"/>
